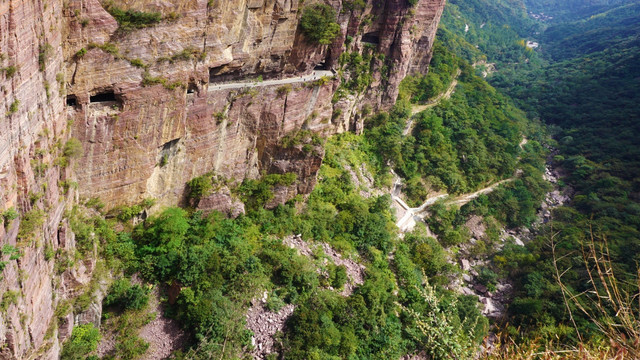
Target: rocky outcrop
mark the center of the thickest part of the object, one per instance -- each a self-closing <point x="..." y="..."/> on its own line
<point x="221" y="201"/>
<point x="142" y="104"/>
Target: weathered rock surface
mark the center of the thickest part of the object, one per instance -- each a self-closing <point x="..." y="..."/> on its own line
<point x="223" y="202"/>
<point x="234" y="133"/>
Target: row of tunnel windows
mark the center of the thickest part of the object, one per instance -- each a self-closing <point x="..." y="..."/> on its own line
<point x="110" y="96"/>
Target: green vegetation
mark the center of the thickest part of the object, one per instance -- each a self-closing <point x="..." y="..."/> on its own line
<point x="220" y="265"/>
<point x="30" y="223"/>
<point x="9" y="215"/>
<point x="84" y="340"/>
<point x="300" y="137"/>
<point x="126" y="296"/>
<point x="9" y="297"/>
<point x="11" y="251"/>
<point x="464" y="143"/>
<point x="584" y="85"/>
<point x="148" y="80"/>
<point x="359" y="69"/>
<point x="318" y="23"/>
<point x="13" y="108"/>
<point x="284" y="90"/>
<point x="354" y="5"/>
<point x="44" y="54"/>
<point x="257" y="193"/>
<point x="138" y="63"/>
<point x="107" y="47"/>
<point x="9" y="71"/>
<point x="72" y="148"/>
<point x="199" y="187"/>
<point x="215" y="266"/>
<point x="442" y="71"/>
<point x="80" y="53"/>
<point x="131" y="19"/>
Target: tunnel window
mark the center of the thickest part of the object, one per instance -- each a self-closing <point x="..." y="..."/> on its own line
<point x="72" y="100"/>
<point x="192" y="88"/>
<point x="321" y="66"/>
<point x="103" y="97"/>
<point x="371" y="38"/>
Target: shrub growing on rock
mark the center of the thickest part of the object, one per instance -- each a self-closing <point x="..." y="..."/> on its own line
<point x="126" y="296"/>
<point x="84" y="339"/>
<point x="318" y="24"/>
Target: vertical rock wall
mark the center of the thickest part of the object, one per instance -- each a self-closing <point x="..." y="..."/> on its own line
<point x="32" y="126"/>
<point x="201" y="44"/>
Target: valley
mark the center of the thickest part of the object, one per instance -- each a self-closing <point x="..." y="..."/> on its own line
<point x="345" y="179"/>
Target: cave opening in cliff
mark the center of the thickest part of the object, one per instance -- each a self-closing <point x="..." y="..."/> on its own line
<point x="321" y="66"/>
<point x="192" y="88"/>
<point x="72" y="100"/>
<point x="107" y="96"/>
<point x="371" y="38"/>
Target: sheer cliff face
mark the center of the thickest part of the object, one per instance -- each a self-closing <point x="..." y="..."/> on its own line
<point x="191" y="128"/>
<point x="145" y="106"/>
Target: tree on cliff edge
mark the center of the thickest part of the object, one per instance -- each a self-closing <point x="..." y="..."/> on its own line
<point x="318" y="24"/>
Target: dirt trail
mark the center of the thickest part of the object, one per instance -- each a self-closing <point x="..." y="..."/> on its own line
<point x="408" y="216"/>
<point x="434" y="102"/>
<point x="463" y="199"/>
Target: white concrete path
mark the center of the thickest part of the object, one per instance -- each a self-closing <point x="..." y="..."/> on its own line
<point x="315" y="75"/>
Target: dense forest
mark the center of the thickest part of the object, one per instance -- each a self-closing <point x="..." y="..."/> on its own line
<point x="583" y="83"/>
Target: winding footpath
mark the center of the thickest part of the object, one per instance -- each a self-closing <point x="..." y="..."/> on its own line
<point x="415" y="109"/>
<point x="315" y="75"/>
<point x="410" y="216"/>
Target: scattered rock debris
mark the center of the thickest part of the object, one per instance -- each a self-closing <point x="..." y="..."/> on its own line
<point x="265" y="324"/>
<point x="355" y="271"/>
<point x="164" y="335"/>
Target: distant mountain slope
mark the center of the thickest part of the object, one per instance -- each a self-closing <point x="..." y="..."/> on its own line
<point x="568" y="10"/>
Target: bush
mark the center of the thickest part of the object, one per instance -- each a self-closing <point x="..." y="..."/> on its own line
<point x="488" y="278"/>
<point x="84" y="340"/>
<point x="10" y="71"/>
<point x="284" y="90"/>
<point x="318" y="24"/>
<point x="128" y="212"/>
<point x="200" y="186"/>
<point x="31" y="222"/>
<point x="10" y="297"/>
<point x="131" y="19"/>
<point x="8" y="215"/>
<point x="274" y="303"/>
<point x="73" y="148"/>
<point x="126" y="296"/>
<point x="80" y="53"/>
<point x="137" y="63"/>
<point x="43" y="55"/>
<point x="13" y="108"/>
<point x="339" y="277"/>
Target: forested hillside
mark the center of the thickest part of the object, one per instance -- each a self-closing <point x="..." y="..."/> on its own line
<point x="568" y="10"/>
<point x="583" y="81"/>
